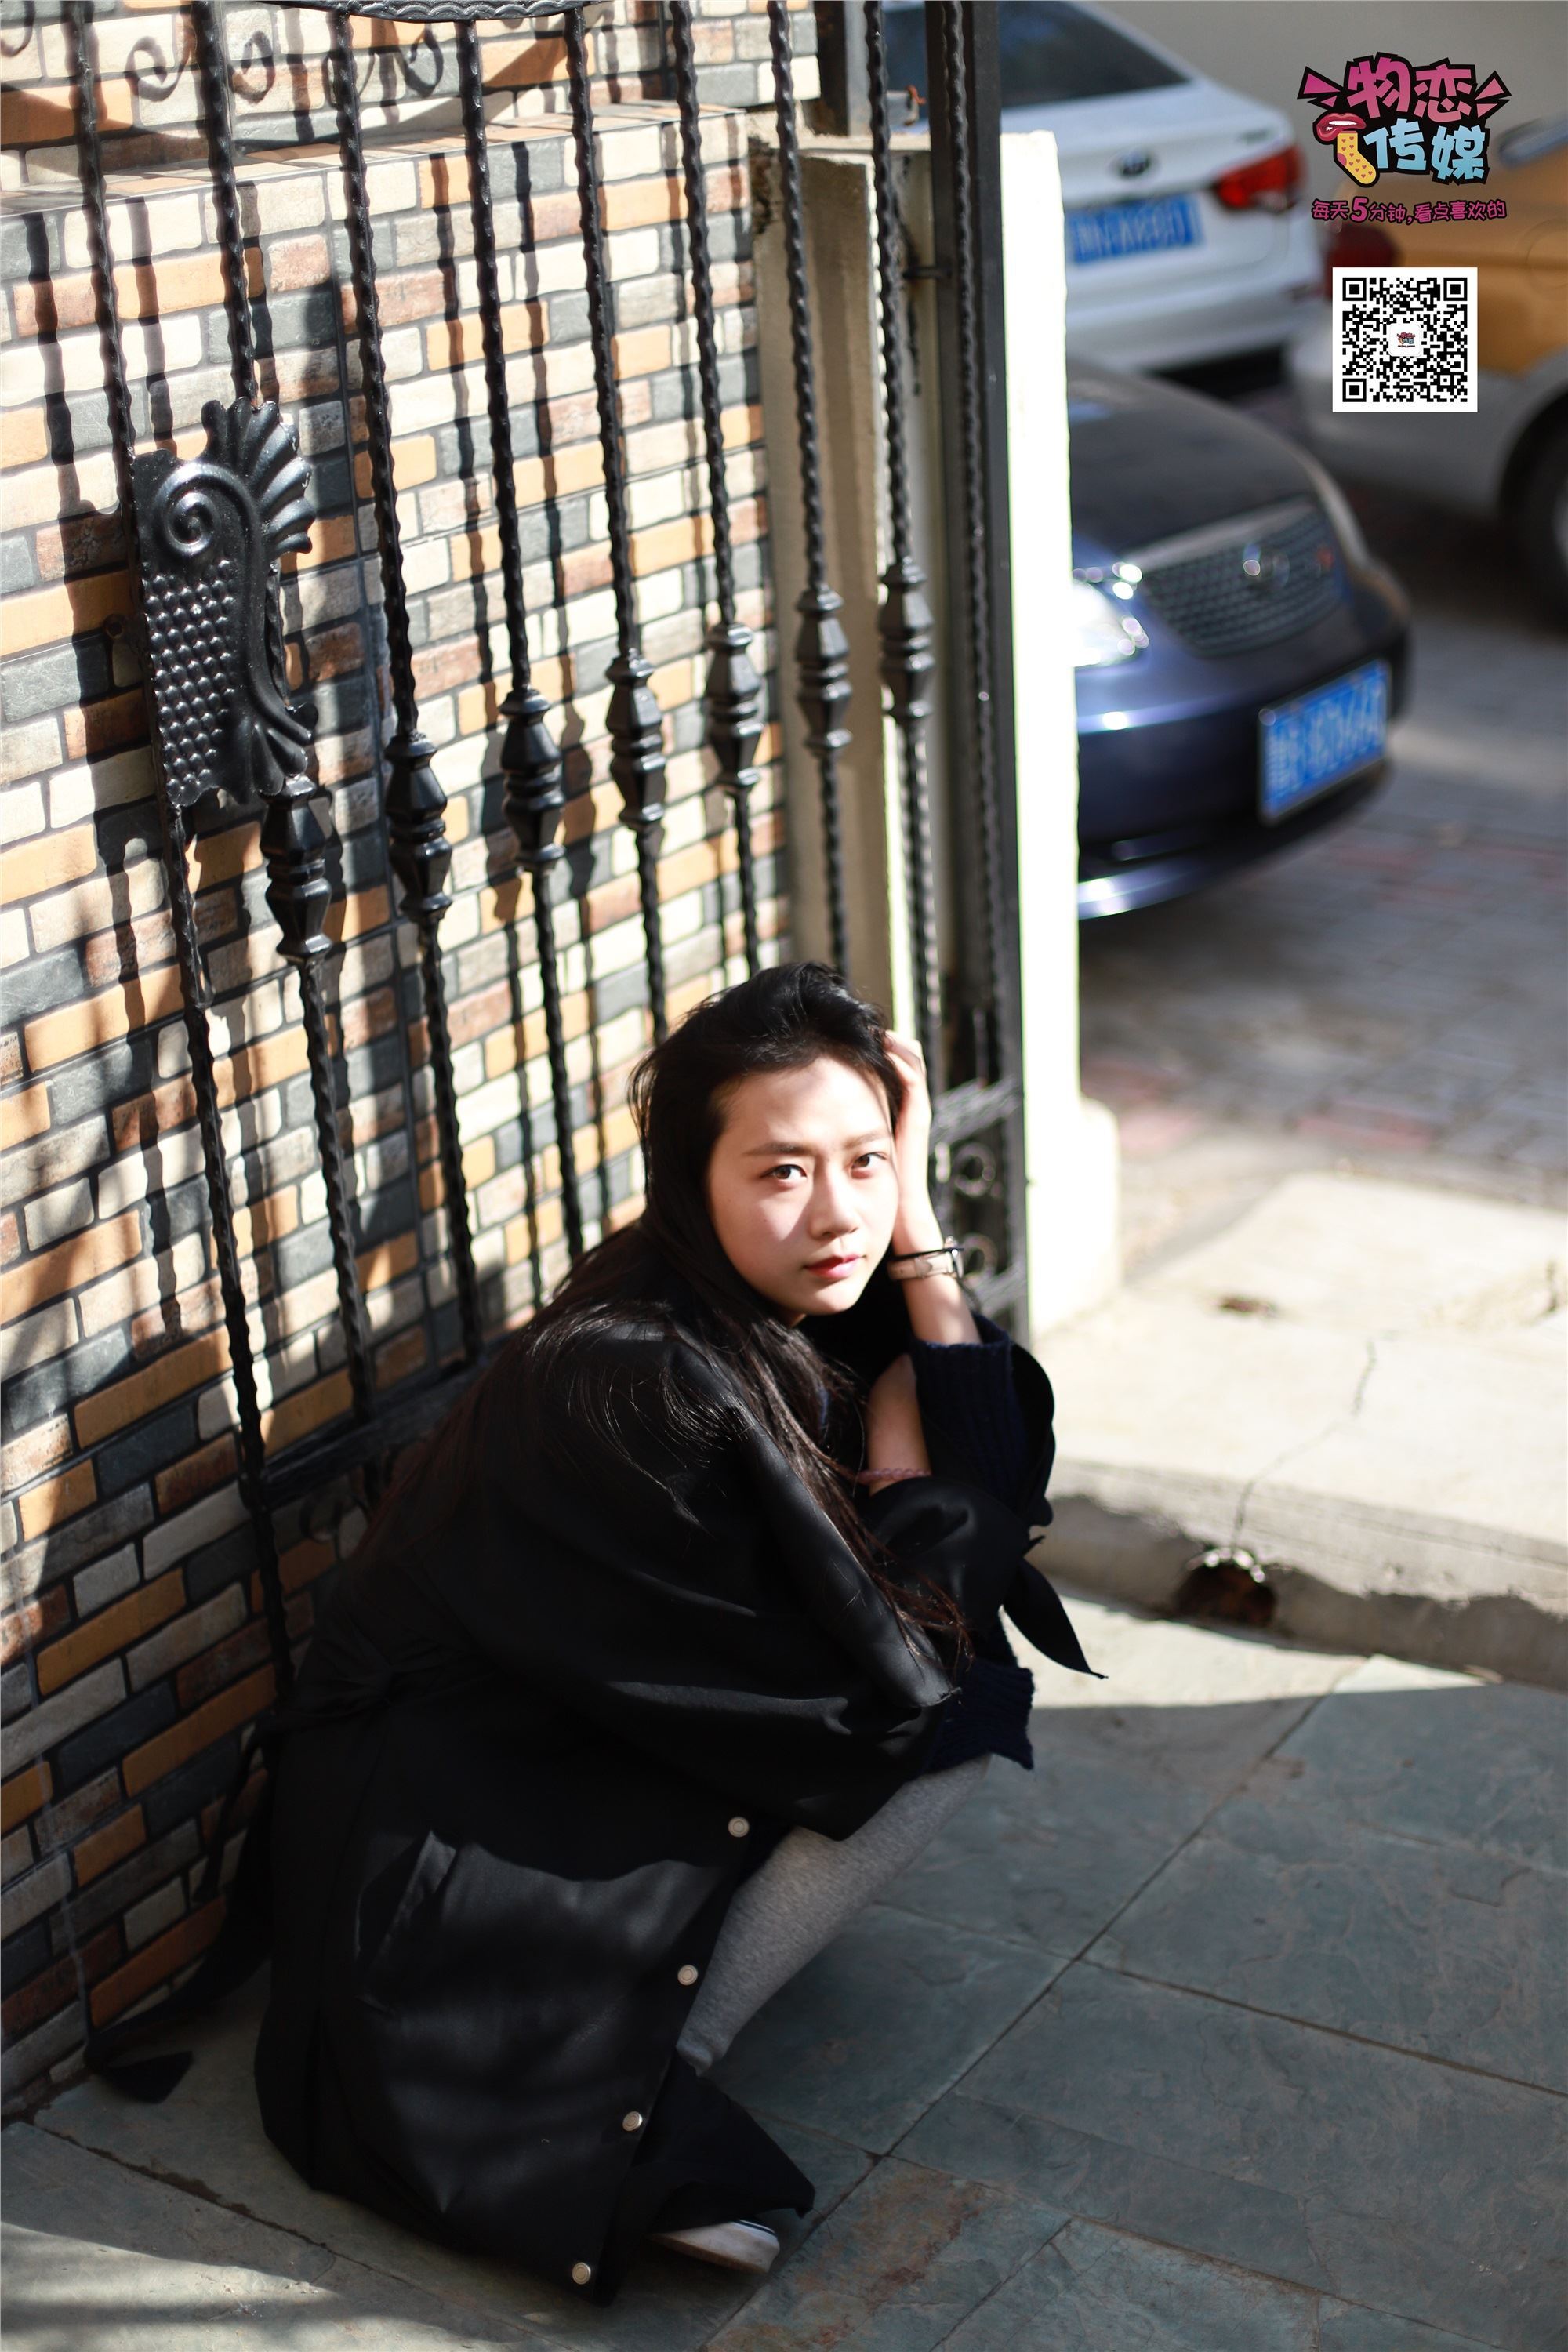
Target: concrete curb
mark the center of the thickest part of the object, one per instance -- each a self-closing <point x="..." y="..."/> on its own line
<point x="1142" y="1557"/>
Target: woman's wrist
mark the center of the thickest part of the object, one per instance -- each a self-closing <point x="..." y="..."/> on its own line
<point x="938" y="1309"/>
<point x="916" y="1228"/>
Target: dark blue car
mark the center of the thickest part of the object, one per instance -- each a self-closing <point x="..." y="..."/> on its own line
<point x="1239" y="652"/>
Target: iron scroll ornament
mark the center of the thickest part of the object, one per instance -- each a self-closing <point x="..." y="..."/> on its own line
<point x="447" y="12"/>
<point x="210" y="531"/>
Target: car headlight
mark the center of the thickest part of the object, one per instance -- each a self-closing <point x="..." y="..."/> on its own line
<point x="1102" y="632"/>
<point x="1341" y="513"/>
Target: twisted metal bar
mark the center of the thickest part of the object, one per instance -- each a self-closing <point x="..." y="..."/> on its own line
<point x="294" y="843"/>
<point x="378" y="418"/>
<point x="733" y="696"/>
<point x="683" y="47"/>
<point x="471" y="101"/>
<point x="83" y="43"/>
<point x="978" y="615"/>
<point x="636" y="724"/>
<point x="531" y="768"/>
<point x="251" y="1461"/>
<point x="904" y="622"/>
<point x="414" y="802"/>
<point x="822" y="649"/>
<point x="212" y="60"/>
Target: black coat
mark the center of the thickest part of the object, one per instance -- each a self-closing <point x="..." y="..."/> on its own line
<point x="528" y="1763"/>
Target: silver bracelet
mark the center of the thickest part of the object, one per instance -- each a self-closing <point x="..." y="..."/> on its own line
<point x="914" y="1265"/>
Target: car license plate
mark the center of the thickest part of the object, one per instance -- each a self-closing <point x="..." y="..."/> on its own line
<point x="1114" y="232"/>
<point x="1316" y="741"/>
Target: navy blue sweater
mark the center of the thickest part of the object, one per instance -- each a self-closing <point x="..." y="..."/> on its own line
<point x="967" y="1386"/>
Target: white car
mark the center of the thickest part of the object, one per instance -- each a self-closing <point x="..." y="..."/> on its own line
<point x="1187" y="235"/>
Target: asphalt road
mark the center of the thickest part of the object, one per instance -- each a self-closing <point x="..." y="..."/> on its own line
<point x="1389" y="996"/>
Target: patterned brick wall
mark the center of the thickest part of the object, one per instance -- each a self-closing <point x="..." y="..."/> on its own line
<point x="150" y="99"/>
<point x="133" y="1648"/>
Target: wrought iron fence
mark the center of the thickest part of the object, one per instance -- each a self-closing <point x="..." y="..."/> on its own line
<point x="207" y="534"/>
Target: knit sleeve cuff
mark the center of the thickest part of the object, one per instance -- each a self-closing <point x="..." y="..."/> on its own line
<point x="988" y="1715"/>
<point x="968" y="1398"/>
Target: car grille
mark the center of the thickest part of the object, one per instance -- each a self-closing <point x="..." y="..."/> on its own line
<point x="1246" y="583"/>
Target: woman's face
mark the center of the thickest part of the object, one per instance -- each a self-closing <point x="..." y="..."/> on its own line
<point x="803" y="1186"/>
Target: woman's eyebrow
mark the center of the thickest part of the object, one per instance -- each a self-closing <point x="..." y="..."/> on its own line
<point x="754" y="1150"/>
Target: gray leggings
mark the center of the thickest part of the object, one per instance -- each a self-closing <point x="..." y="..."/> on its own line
<point x="809" y="1888"/>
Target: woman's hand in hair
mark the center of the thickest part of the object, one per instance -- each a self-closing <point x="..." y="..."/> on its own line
<point x="915" y="1226"/>
<point x="938" y="1309"/>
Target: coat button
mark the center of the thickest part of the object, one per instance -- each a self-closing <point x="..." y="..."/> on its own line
<point x="687" y="1975"/>
<point x="740" y="1826"/>
<point x="631" y="2122"/>
<point x="581" y="2274"/>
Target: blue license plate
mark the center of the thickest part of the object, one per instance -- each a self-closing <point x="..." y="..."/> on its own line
<point x="1114" y="232"/>
<point x="1316" y="741"/>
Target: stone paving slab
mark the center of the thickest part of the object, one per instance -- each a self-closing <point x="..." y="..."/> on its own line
<point x="1438" y="1756"/>
<point x="1425" y="2191"/>
<point x="1125" y="1771"/>
<point x="1195" y="1704"/>
<point x="1014" y="2143"/>
<point x="1094" y="2290"/>
<point x="103" y="2259"/>
<point x="898" y="2265"/>
<point x="1443" y="1949"/>
<point x="860" y="2048"/>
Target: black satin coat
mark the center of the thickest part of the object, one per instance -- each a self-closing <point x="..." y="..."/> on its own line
<point x="527" y="1764"/>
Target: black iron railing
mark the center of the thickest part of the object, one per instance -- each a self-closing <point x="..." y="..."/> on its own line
<point x="207" y="537"/>
<point x="732" y="701"/>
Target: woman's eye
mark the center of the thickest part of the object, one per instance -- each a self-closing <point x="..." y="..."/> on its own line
<point x="793" y="1167"/>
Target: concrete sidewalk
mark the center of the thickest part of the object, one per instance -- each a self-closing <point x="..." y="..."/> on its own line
<point x="1363" y="1383"/>
<point x="1237" y="2026"/>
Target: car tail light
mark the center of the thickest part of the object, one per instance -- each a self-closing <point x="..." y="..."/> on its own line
<point x="1269" y="185"/>
<point x="1356" y="245"/>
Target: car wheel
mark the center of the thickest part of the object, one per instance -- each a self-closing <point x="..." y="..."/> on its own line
<point x="1540" y="519"/>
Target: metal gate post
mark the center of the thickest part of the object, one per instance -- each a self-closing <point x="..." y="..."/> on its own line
<point x="982" y="1024"/>
<point x="966" y="180"/>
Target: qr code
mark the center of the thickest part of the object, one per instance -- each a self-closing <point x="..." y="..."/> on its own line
<point x="1405" y="338"/>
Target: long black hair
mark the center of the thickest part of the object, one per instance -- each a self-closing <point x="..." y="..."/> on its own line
<point x="783" y="1018"/>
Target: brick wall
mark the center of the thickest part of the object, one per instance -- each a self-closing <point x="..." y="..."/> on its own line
<point x="149" y="100"/>
<point x="134" y="1653"/>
